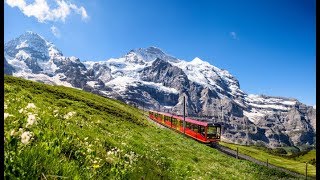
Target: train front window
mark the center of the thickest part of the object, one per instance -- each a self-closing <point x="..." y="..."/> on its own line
<point x="218" y="131"/>
<point x="213" y="132"/>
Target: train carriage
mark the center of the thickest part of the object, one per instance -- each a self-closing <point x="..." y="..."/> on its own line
<point x="204" y="132"/>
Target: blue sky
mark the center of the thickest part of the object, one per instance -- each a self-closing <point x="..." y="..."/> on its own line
<point x="268" y="45"/>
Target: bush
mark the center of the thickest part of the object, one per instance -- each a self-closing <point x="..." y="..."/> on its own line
<point x="279" y="151"/>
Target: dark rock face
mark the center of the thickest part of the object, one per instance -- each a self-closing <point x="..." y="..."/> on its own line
<point x="150" y="79"/>
<point x="74" y="71"/>
<point x="163" y="72"/>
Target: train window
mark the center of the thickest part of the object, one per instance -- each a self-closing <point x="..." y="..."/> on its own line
<point x="174" y="121"/>
<point x="218" y="131"/>
<point x="188" y="125"/>
<point x="195" y="128"/>
<point x="202" y="130"/>
<point x="212" y="132"/>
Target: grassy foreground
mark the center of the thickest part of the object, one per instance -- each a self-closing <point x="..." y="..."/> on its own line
<point x="293" y="164"/>
<point x="54" y="132"/>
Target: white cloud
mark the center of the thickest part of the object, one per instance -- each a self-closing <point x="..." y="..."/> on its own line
<point x="234" y="35"/>
<point x="55" y="31"/>
<point x="42" y="11"/>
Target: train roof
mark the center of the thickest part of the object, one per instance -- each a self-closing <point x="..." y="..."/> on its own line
<point x="193" y="121"/>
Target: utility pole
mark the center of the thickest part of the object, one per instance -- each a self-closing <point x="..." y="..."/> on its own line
<point x="184" y="114"/>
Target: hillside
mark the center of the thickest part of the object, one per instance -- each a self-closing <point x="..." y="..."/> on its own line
<point x="57" y="132"/>
<point x="295" y="164"/>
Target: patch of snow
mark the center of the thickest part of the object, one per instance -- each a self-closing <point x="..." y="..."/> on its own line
<point x="168" y="107"/>
<point x="22" y="45"/>
<point x="270" y="102"/>
<point x="120" y="67"/>
<point x="53" y="52"/>
<point x="91" y="83"/>
<point x="89" y="64"/>
<point x="161" y="87"/>
<point x="314" y="106"/>
<point x="272" y="106"/>
<point x="22" y="54"/>
<point x="73" y="59"/>
<point x="48" y="67"/>
<point x="120" y="83"/>
<point x="19" y="65"/>
<point x="253" y="116"/>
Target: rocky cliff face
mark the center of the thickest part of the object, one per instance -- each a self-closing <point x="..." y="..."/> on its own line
<point x="151" y="79"/>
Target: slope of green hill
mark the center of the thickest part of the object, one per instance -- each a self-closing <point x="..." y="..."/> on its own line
<point x="55" y="132"/>
<point x="296" y="164"/>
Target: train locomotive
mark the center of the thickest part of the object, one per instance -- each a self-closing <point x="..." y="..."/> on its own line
<point x="205" y="132"/>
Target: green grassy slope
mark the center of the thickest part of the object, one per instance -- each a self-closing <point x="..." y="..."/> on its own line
<point x="294" y="164"/>
<point x="56" y="132"/>
<point x="308" y="157"/>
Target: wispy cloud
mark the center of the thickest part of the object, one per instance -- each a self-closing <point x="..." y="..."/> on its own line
<point x="234" y="35"/>
<point x="55" y="31"/>
<point x="43" y="12"/>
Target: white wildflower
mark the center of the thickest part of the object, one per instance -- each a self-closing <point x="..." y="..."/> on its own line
<point x="31" y="119"/>
<point x="30" y="106"/>
<point x="25" y="137"/>
<point x="5" y="106"/>
<point x="6" y="115"/>
<point x="21" y="110"/>
<point x="55" y="112"/>
<point x="69" y="115"/>
<point x="13" y="132"/>
<point x="86" y="138"/>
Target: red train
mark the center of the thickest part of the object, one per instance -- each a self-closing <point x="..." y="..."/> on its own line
<point x="204" y="132"/>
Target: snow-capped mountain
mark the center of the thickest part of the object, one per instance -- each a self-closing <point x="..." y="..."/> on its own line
<point x="150" y="78"/>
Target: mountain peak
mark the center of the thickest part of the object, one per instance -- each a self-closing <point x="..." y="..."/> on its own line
<point x="148" y="54"/>
<point x="197" y="60"/>
<point x="28" y="35"/>
<point x="33" y="44"/>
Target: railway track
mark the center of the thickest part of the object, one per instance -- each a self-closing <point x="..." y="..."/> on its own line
<point x="233" y="153"/>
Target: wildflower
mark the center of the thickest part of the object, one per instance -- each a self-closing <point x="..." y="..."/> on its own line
<point x="5" y="106"/>
<point x="30" y="106"/>
<point x="21" y="110"/>
<point x="6" y="115"/>
<point x="31" y="119"/>
<point x="69" y="115"/>
<point x="13" y="132"/>
<point x="25" y="137"/>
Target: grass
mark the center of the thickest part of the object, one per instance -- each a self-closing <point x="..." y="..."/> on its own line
<point x="54" y="132"/>
<point x="296" y="164"/>
<point x="308" y="157"/>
